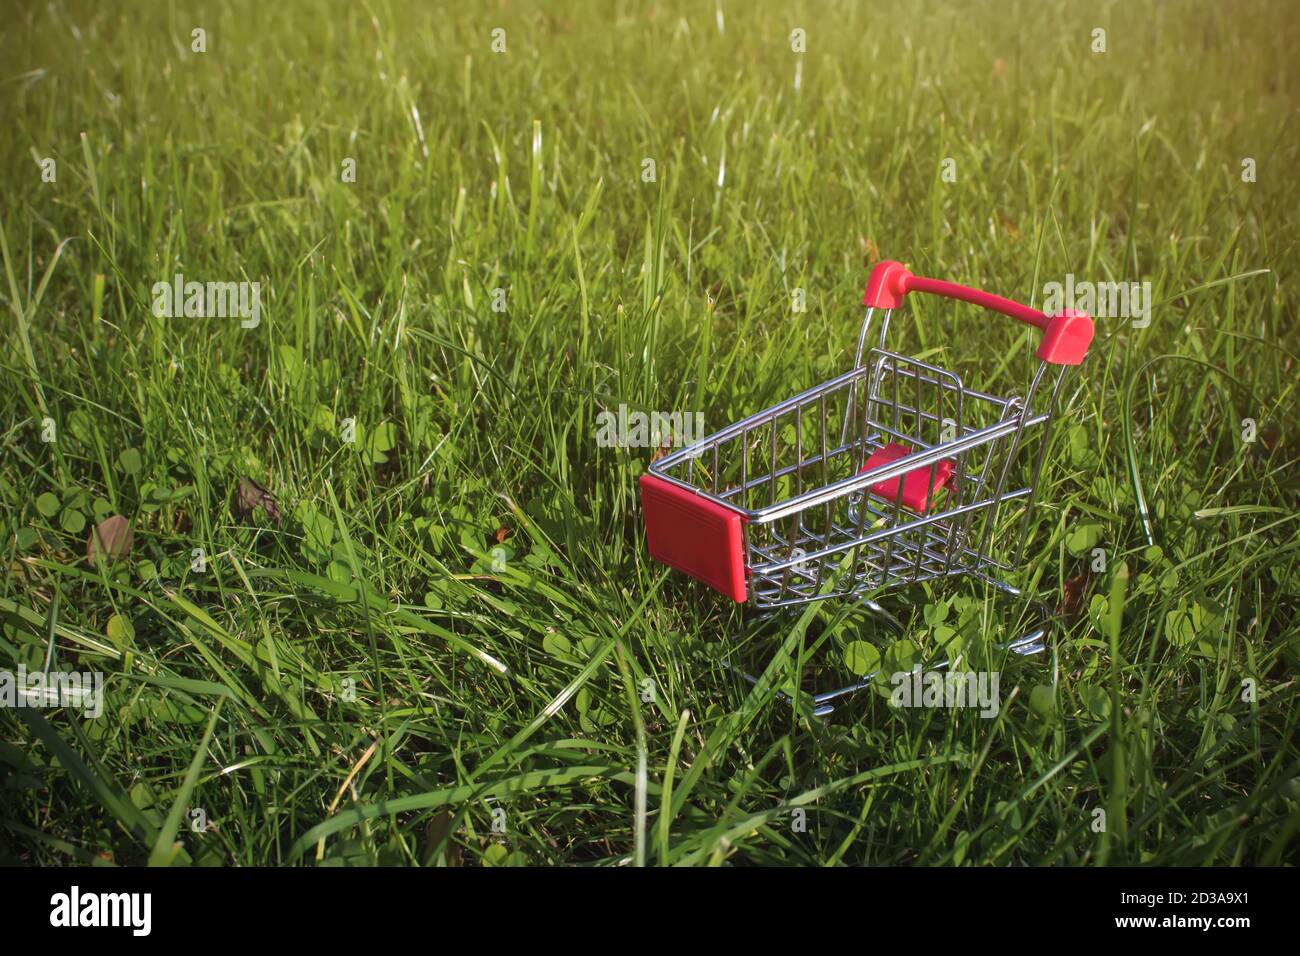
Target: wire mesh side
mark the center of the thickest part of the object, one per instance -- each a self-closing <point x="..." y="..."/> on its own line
<point x="800" y="448"/>
<point x="871" y="543"/>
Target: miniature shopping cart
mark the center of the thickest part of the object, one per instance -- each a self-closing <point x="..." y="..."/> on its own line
<point x="892" y="474"/>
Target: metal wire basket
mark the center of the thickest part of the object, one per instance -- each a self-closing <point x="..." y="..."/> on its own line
<point x="891" y="474"/>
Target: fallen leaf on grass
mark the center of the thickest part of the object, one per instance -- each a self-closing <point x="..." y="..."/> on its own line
<point x="870" y="251"/>
<point x="110" y="539"/>
<point x="251" y="496"/>
<point x="1076" y="591"/>
<point x="438" y="831"/>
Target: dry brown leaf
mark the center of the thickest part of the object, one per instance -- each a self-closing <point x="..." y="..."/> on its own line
<point x="436" y="832"/>
<point x="252" y="496"/>
<point x="110" y="539"/>
<point x="870" y="252"/>
<point x="1075" y="597"/>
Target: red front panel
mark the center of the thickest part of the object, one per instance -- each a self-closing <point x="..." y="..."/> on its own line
<point x="695" y="535"/>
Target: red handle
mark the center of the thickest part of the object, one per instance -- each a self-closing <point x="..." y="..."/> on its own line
<point x="1066" y="337"/>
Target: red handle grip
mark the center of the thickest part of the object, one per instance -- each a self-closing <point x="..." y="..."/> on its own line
<point x="1066" y="337"/>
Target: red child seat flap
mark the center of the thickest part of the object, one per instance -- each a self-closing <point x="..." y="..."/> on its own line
<point x="917" y="493"/>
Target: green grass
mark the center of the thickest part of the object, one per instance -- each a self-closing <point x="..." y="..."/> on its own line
<point x="512" y="688"/>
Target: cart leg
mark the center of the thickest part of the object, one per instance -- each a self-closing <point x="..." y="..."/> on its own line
<point x="821" y="707"/>
<point x="885" y="615"/>
<point x="1032" y="641"/>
